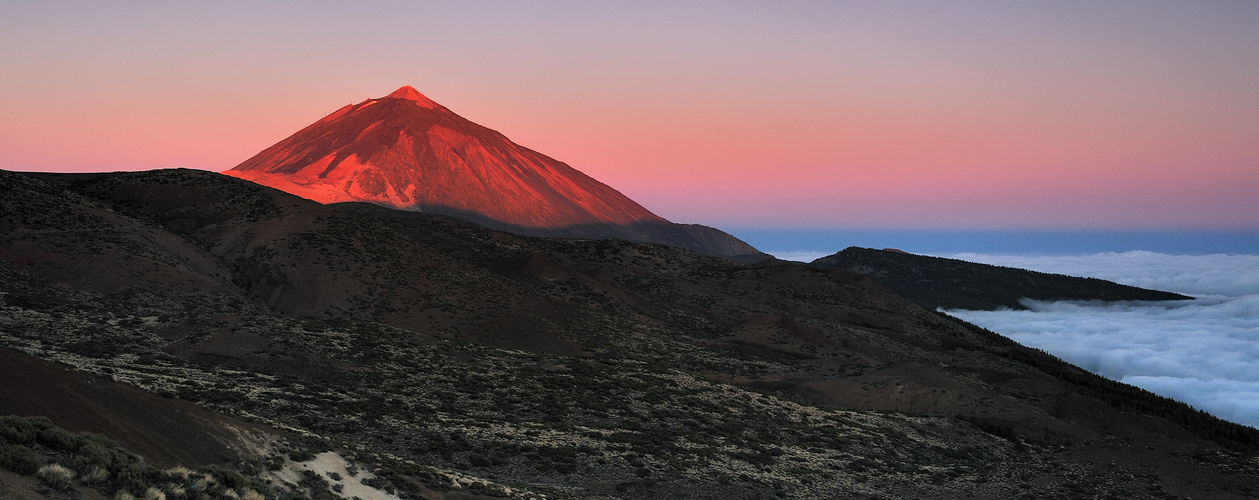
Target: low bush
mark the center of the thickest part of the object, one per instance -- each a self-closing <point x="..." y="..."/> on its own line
<point x="301" y="456"/>
<point x="252" y="495"/>
<point x="56" y="477"/>
<point x="19" y="459"/>
<point x="95" y="475"/>
<point x="93" y="455"/>
<point x="18" y="430"/>
<point x="57" y="438"/>
<point x="131" y="478"/>
<point x="228" y="477"/>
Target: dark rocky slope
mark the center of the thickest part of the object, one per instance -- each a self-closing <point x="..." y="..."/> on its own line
<point x="579" y="368"/>
<point x="166" y="432"/>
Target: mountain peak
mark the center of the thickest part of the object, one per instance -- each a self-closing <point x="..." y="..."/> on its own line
<point x="409" y="93"/>
<point x="427" y="158"/>
<point x="387" y="152"/>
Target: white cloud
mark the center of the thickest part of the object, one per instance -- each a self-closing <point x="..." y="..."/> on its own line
<point x="1227" y="399"/>
<point x="1203" y="352"/>
<point x="798" y="255"/>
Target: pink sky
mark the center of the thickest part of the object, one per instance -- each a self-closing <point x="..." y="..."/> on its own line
<point x="810" y="114"/>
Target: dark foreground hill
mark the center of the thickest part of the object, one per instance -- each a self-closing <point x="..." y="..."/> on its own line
<point x="449" y="359"/>
<point x="936" y="282"/>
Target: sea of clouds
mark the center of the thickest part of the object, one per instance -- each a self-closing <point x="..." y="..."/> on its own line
<point x="799" y="255"/>
<point x="1204" y="352"/>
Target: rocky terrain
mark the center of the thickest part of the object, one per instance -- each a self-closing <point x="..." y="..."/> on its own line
<point x="448" y="360"/>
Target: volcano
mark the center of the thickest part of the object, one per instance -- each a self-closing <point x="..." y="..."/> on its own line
<point x="406" y="151"/>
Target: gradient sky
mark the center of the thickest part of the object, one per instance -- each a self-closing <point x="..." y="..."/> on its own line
<point x="1034" y="115"/>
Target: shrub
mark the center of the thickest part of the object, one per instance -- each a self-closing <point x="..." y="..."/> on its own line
<point x="19" y="459"/>
<point x="60" y="439"/>
<point x="251" y="495"/>
<point x="56" y="477"/>
<point x="95" y="455"/>
<point x="178" y="471"/>
<point x="98" y="440"/>
<point x="301" y="456"/>
<point x="95" y="475"/>
<point x="228" y="477"/>
<point x="131" y="478"/>
<point x="17" y="430"/>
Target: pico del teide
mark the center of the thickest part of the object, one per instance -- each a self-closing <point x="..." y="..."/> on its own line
<point x="406" y="151"/>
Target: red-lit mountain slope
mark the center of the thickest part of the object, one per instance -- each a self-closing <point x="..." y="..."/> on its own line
<point x="405" y="151"/>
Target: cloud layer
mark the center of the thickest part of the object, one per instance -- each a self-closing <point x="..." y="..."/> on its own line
<point x="1204" y="352"/>
<point x="798" y="255"/>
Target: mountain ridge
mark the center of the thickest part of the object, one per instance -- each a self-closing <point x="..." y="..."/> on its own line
<point x="938" y="282"/>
